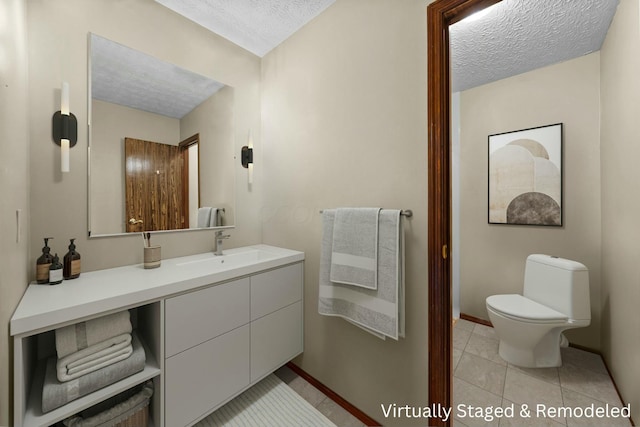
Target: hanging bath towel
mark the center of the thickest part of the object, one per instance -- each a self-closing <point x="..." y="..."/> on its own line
<point x="379" y="311"/>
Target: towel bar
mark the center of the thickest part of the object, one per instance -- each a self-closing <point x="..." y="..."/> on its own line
<point x="405" y="212"/>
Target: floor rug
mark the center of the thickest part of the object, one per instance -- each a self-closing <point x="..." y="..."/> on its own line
<point x="268" y="403"/>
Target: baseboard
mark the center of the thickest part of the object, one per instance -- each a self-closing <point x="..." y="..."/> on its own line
<point x="367" y="420"/>
<point x="475" y="319"/>
<point x="576" y="346"/>
<point x="587" y="349"/>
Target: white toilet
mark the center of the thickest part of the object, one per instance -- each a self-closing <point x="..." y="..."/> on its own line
<point x="530" y="326"/>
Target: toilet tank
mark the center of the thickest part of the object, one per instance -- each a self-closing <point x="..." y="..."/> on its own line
<point x="558" y="283"/>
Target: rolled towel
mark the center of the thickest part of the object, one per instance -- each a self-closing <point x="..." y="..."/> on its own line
<point x="94" y="357"/>
<point x="74" y="338"/>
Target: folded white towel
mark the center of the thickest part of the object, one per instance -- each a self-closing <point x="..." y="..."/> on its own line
<point x="56" y="394"/>
<point x="73" y="338"/>
<point x="204" y="217"/>
<point x="354" y="256"/>
<point x="94" y="357"/>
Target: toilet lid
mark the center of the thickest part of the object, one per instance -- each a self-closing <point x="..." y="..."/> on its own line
<point x="517" y="306"/>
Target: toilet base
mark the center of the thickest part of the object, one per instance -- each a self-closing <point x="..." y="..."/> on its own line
<point x="546" y="354"/>
<point x="530" y="344"/>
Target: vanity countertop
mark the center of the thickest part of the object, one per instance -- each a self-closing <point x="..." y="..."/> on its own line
<point x="43" y="306"/>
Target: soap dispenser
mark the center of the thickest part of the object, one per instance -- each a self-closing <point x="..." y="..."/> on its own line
<point x="55" y="271"/>
<point x="43" y="263"/>
<point x="71" y="263"/>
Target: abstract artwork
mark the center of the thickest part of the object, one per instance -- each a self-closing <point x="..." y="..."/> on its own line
<point x="525" y="176"/>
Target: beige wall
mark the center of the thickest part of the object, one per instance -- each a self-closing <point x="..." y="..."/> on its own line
<point x="110" y="124"/>
<point x="14" y="182"/>
<point x="57" y="52"/>
<point x="493" y="256"/>
<point x="344" y="124"/>
<point x="620" y="67"/>
<point x="213" y="121"/>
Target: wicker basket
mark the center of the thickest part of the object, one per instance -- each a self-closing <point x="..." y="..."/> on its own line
<point x="128" y="409"/>
<point x="137" y="419"/>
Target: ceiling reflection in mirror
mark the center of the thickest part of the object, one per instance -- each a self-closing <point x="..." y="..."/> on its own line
<point x="161" y="144"/>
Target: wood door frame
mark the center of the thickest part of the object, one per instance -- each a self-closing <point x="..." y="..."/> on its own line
<point x="440" y="15"/>
<point x="184" y="145"/>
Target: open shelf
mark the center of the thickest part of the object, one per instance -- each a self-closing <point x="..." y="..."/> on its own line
<point x="34" y="417"/>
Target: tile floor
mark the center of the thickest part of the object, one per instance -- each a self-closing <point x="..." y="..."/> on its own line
<point x="330" y="409"/>
<point x="482" y="379"/>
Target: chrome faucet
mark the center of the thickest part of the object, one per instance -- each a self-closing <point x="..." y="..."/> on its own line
<point x="219" y="238"/>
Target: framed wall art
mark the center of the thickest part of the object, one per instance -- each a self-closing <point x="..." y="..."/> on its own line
<point x="525" y="176"/>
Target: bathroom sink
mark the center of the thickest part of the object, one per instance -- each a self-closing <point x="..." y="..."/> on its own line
<point x="230" y="258"/>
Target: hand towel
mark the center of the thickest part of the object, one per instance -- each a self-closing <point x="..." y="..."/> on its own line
<point x="215" y="217"/>
<point x="380" y="311"/>
<point x="73" y="338"/>
<point x="94" y="357"/>
<point x="204" y="217"/>
<point x="354" y="255"/>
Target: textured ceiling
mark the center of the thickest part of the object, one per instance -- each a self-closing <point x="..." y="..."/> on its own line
<point x="517" y="36"/>
<point x="514" y="37"/>
<point x="125" y="76"/>
<point x="256" y="25"/>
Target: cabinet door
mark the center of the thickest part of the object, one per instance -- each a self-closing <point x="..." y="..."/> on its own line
<point x="201" y="378"/>
<point x="275" y="289"/>
<point x="198" y="316"/>
<point x="275" y="339"/>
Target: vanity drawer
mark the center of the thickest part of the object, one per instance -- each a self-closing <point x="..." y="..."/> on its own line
<point x="275" y="289"/>
<point x="201" y="378"/>
<point x="275" y="339"/>
<point x="198" y="316"/>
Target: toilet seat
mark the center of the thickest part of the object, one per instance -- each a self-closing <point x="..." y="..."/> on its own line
<point x="520" y="308"/>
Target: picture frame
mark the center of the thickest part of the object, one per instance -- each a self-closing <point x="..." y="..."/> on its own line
<point x="525" y="176"/>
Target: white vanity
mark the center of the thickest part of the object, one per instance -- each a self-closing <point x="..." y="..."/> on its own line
<point x="211" y="326"/>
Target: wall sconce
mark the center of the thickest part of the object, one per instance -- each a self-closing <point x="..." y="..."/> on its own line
<point x="64" y="128"/>
<point x="246" y="158"/>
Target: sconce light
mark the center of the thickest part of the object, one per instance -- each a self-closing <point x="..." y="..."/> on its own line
<point x="65" y="128"/>
<point x="246" y="158"/>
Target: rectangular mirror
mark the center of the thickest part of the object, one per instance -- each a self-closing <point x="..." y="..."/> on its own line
<point x="160" y="145"/>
